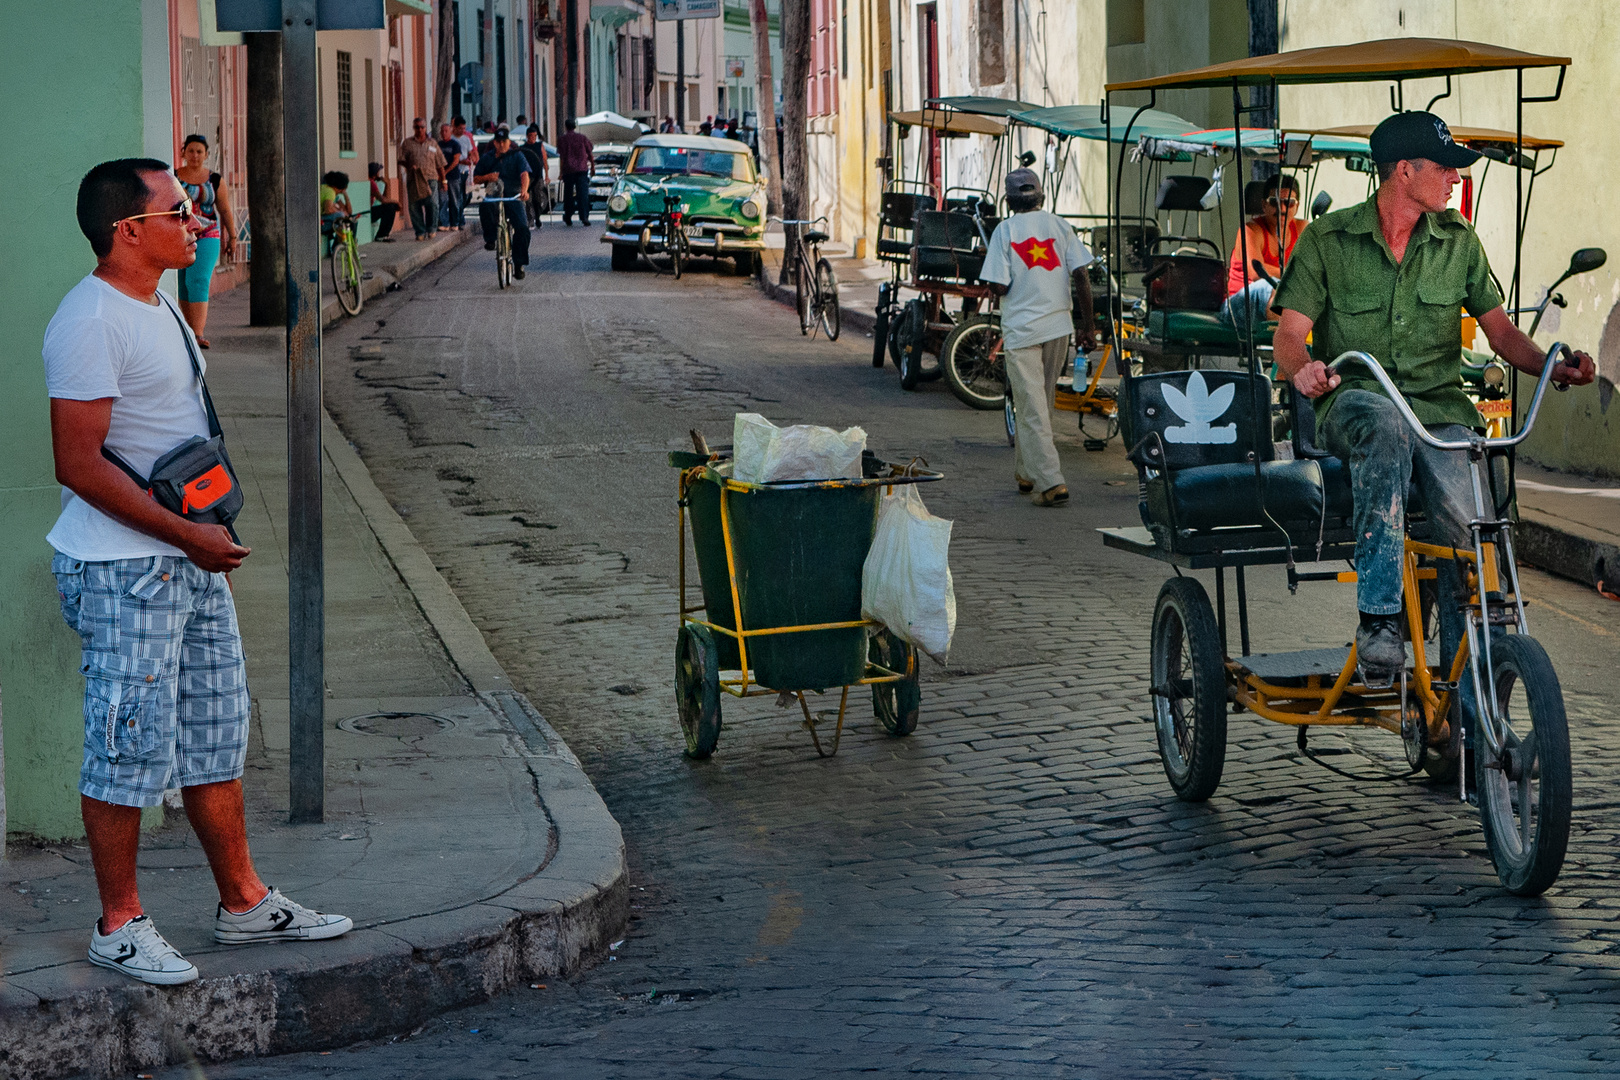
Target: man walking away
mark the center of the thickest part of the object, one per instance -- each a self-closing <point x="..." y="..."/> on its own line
<point x="506" y="164"/>
<point x="165" y="699"/>
<point x="1038" y="264"/>
<point x="576" y="159"/>
<point x="423" y="164"/>
<point x="534" y="151"/>
<point x="469" y="158"/>
<point x="451" y="193"/>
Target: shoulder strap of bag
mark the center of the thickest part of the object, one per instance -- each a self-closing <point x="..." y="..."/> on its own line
<point x="196" y="369"/>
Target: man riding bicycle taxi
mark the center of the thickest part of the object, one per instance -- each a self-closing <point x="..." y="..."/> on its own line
<point x="1391" y="278"/>
<point x="506" y="165"/>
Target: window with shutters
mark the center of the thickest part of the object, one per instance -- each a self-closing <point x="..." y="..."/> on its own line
<point x="823" y="89"/>
<point x="345" y="103"/>
<point x="992" y="42"/>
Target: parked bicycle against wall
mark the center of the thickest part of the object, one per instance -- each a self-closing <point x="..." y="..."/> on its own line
<point x="347" y="276"/>
<point x="815" y="286"/>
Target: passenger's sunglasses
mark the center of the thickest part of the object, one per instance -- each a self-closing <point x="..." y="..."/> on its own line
<point x="1272" y="200"/>
<point x="182" y="211"/>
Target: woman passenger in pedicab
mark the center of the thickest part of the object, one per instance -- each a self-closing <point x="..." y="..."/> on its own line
<point x="1248" y="292"/>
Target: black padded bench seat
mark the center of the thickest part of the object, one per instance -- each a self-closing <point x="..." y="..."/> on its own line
<point x="1193" y="330"/>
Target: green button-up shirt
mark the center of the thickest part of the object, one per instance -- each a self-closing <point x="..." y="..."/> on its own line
<point x="1406" y="315"/>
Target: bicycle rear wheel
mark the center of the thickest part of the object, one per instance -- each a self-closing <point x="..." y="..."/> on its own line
<point x="346" y="277"/>
<point x="675" y="241"/>
<point x="974" y="363"/>
<point x="827" y="299"/>
<point x="803" y="290"/>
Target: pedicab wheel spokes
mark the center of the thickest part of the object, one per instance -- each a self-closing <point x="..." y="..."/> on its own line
<point x="1524" y="796"/>
<point x="973" y="362"/>
<point x="697" y="689"/>
<point x="503" y="252"/>
<point x="880" y="331"/>
<point x="911" y="333"/>
<point x="1009" y="418"/>
<point x="827" y="299"/>
<point x="895" y="704"/>
<point x="1189" y="689"/>
<point x="677" y="251"/>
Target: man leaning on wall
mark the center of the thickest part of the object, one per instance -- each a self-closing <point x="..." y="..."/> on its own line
<point x="166" y="699"/>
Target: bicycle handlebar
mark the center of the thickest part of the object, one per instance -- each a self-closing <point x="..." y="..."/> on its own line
<point x="1463" y="444"/>
<point x="799" y="221"/>
<point x="503" y="198"/>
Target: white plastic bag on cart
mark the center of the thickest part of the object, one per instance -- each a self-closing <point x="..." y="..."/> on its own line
<point x="906" y="582"/>
<point x="764" y="452"/>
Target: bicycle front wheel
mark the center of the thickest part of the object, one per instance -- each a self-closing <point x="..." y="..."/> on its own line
<point x="1525" y="795"/>
<point x="346" y="277"/>
<point x="827" y="299"/>
<point x="503" y="254"/>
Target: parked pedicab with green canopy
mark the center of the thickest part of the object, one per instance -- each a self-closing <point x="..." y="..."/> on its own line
<point x="1487" y="713"/>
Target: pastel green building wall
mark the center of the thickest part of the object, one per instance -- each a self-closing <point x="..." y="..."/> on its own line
<point x="72" y="67"/>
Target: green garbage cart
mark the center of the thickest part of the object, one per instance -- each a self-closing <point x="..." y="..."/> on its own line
<point x="779" y="566"/>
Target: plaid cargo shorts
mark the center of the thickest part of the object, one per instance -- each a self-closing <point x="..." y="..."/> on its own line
<point x="165" y="694"/>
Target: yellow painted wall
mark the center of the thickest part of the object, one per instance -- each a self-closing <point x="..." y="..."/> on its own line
<point x="1579" y="430"/>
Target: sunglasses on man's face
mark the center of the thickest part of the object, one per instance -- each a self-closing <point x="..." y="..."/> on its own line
<point x="182" y="211"/>
<point x="1272" y="200"/>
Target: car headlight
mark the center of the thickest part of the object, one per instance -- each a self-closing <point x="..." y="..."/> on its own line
<point x="618" y="204"/>
<point x="750" y="209"/>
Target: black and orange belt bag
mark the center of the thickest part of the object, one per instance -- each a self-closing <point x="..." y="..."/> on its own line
<point x="195" y="479"/>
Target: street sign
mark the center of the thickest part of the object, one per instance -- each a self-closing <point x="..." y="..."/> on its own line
<point x="265" y="15"/>
<point x="671" y="10"/>
<point x="736" y="67"/>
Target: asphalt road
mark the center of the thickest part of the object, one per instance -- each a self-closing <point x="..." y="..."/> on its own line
<point x="1012" y="891"/>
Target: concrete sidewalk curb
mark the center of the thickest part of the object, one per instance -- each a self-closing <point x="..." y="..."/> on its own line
<point x="1561" y="551"/>
<point x="382" y="978"/>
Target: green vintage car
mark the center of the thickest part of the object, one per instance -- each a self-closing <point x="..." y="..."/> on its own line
<point x="723" y="200"/>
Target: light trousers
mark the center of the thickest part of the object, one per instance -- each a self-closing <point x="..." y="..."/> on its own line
<point x="1032" y="374"/>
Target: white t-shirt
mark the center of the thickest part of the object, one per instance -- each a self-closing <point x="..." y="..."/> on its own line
<point x="104" y="344"/>
<point x="1034" y="254"/>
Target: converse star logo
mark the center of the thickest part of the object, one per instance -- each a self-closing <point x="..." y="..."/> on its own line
<point x="1444" y="132"/>
<point x="126" y="953"/>
<point x="281" y="920"/>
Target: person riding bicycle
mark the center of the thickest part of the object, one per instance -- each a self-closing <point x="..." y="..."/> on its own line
<point x="1391" y="278"/>
<point x="1037" y="264"/>
<point x="506" y="166"/>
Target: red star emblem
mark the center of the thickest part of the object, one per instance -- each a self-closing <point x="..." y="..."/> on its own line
<point x="1037" y="254"/>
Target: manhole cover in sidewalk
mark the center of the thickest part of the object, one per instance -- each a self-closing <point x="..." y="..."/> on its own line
<point x="396" y="725"/>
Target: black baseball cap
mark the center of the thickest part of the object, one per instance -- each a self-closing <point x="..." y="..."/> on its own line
<point x="1410" y="135"/>
<point x="504" y="132"/>
<point x="1022" y="182"/>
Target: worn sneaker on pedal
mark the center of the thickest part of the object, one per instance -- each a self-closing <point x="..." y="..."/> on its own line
<point x="1380" y="650"/>
<point x="137" y="949"/>
<point x="276" y="918"/>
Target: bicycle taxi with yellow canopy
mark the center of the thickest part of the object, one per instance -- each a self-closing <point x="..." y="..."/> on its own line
<point x="1219" y="492"/>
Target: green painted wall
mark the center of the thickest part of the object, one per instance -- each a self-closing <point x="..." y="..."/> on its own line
<point x="44" y="45"/>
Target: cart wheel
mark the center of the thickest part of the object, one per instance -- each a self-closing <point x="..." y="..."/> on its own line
<point x="1524" y="797"/>
<point x="1009" y="417"/>
<point x="697" y="689"/>
<point x="912" y="330"/>
<point x="1096" y="428"/>
<point x="895" y="704"/>
<point x="973" y="363"/>
<point x="1188" y="684"/>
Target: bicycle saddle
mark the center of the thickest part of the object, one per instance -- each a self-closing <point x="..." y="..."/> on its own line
<point x="816" y="236"/>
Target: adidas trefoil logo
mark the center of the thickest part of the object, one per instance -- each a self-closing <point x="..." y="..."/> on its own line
<point x="1198" y="407"/>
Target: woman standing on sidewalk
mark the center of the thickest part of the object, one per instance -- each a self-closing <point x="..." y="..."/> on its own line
<point x="213" y="207"/>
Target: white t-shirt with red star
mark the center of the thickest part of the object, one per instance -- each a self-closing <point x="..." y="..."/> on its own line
<point x="1034" y="254"/>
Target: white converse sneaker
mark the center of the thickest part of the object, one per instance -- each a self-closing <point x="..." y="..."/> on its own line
<point x="139" y="951"/>
<point x="276" y="918"/>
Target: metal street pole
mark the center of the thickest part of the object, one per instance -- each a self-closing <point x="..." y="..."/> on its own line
<point x="306" y="588"/>
<point x="680" y="76"/>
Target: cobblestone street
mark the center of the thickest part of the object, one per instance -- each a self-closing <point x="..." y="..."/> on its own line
<point x="1011" y="891"/>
